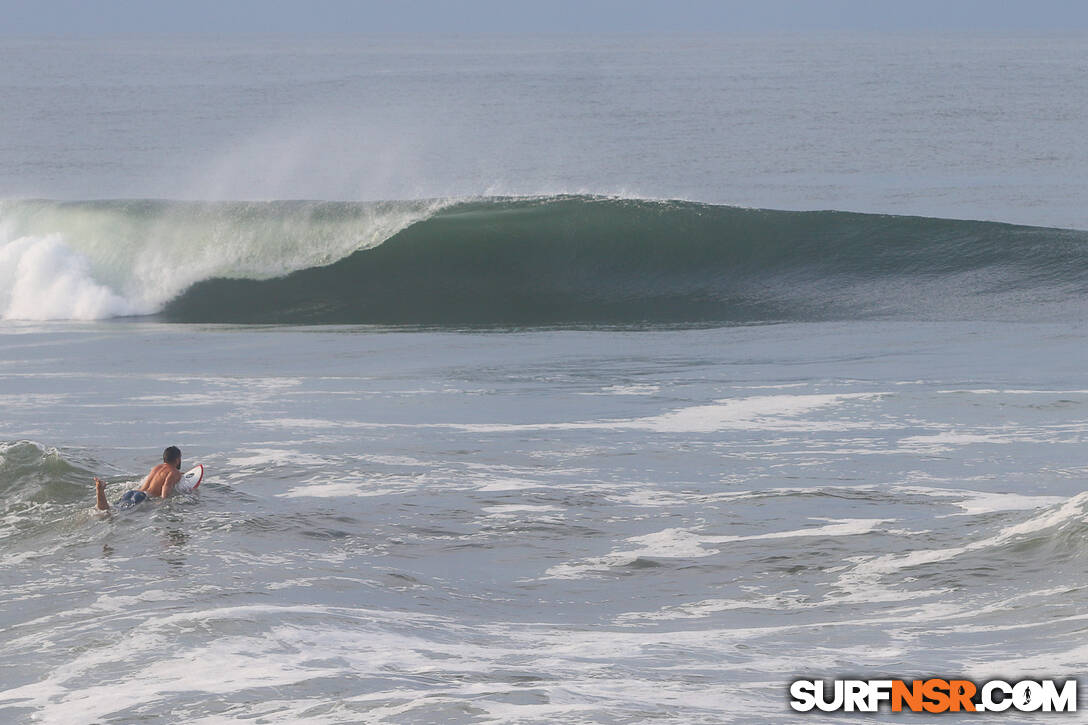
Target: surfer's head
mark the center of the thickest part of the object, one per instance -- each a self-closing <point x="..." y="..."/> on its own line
<point x="172" y="455"/>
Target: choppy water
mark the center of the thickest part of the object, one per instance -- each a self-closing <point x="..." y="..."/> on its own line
<point x="599" y="526"/>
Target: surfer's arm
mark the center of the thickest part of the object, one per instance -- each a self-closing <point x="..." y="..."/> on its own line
<point x="100" y="494"/>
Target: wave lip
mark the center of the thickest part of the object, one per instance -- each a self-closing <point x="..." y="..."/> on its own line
<point x="559" y="260"/>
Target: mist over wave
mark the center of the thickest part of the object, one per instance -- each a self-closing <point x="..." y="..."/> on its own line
<point x="543" y="260"/>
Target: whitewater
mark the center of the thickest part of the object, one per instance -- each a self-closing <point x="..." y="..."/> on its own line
<point x="539" y="379"/>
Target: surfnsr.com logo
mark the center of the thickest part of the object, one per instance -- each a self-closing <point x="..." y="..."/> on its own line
<point x="934" y="695"/>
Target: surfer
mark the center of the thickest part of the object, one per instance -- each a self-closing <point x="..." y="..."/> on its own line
<point x="159" y="482"/>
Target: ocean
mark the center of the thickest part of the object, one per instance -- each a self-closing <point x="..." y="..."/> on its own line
<point x="587" y="379"/>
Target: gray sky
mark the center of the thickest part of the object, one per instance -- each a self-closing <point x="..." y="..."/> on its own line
<point x="35" y="17"/>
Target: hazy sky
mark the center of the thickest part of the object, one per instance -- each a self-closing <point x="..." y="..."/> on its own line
<point x="466" y="16"/>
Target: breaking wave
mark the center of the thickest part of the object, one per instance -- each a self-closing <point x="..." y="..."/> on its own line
<point x="577" y="260"/>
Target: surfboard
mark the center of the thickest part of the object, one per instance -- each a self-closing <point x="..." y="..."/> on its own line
<point x="191" y="480"/>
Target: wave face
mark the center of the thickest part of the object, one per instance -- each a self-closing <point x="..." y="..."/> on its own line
<point x="38" y="486"/>
<point x="527" y="261"/>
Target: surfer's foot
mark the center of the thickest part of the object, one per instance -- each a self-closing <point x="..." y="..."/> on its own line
<point x="100" y="494"/>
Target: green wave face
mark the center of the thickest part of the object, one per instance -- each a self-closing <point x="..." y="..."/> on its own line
<point x="589" y="261"/>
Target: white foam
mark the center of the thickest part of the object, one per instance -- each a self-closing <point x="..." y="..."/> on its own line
<point x="869" y="569"/>
<point x="510" y="483"/>
<point x="275" y="654"/>
<point x="780" y="602"/>
<point x="270" y="457"/>
<point x="950" y="439"/>
<point x="762" y="412"/>
<point x="42" y="279"/>
<point x="122" y="603"/>
<point x="391" y="460"/>
<point x="635" y="389"/>
<point x="511" y="509"/>
<point x="975" y="503"/>
<point x="395" y="666"/>
<point x="683" y="543"/>
<point x="338" y="487"/>
<point x="782" y="386"/>
<point x="39" y="401"/>
<point x="296" y="423"/>
<point x="986" y="503"/>
<point x="177" y="399"/>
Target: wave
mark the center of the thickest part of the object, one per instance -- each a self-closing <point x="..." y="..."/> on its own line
<point x="31" y="472"/>
<point x="561" y="260"/>
<point x="40" y="490"/>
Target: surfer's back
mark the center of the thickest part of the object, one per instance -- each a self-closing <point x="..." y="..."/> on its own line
<point x="161" y="480"/>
